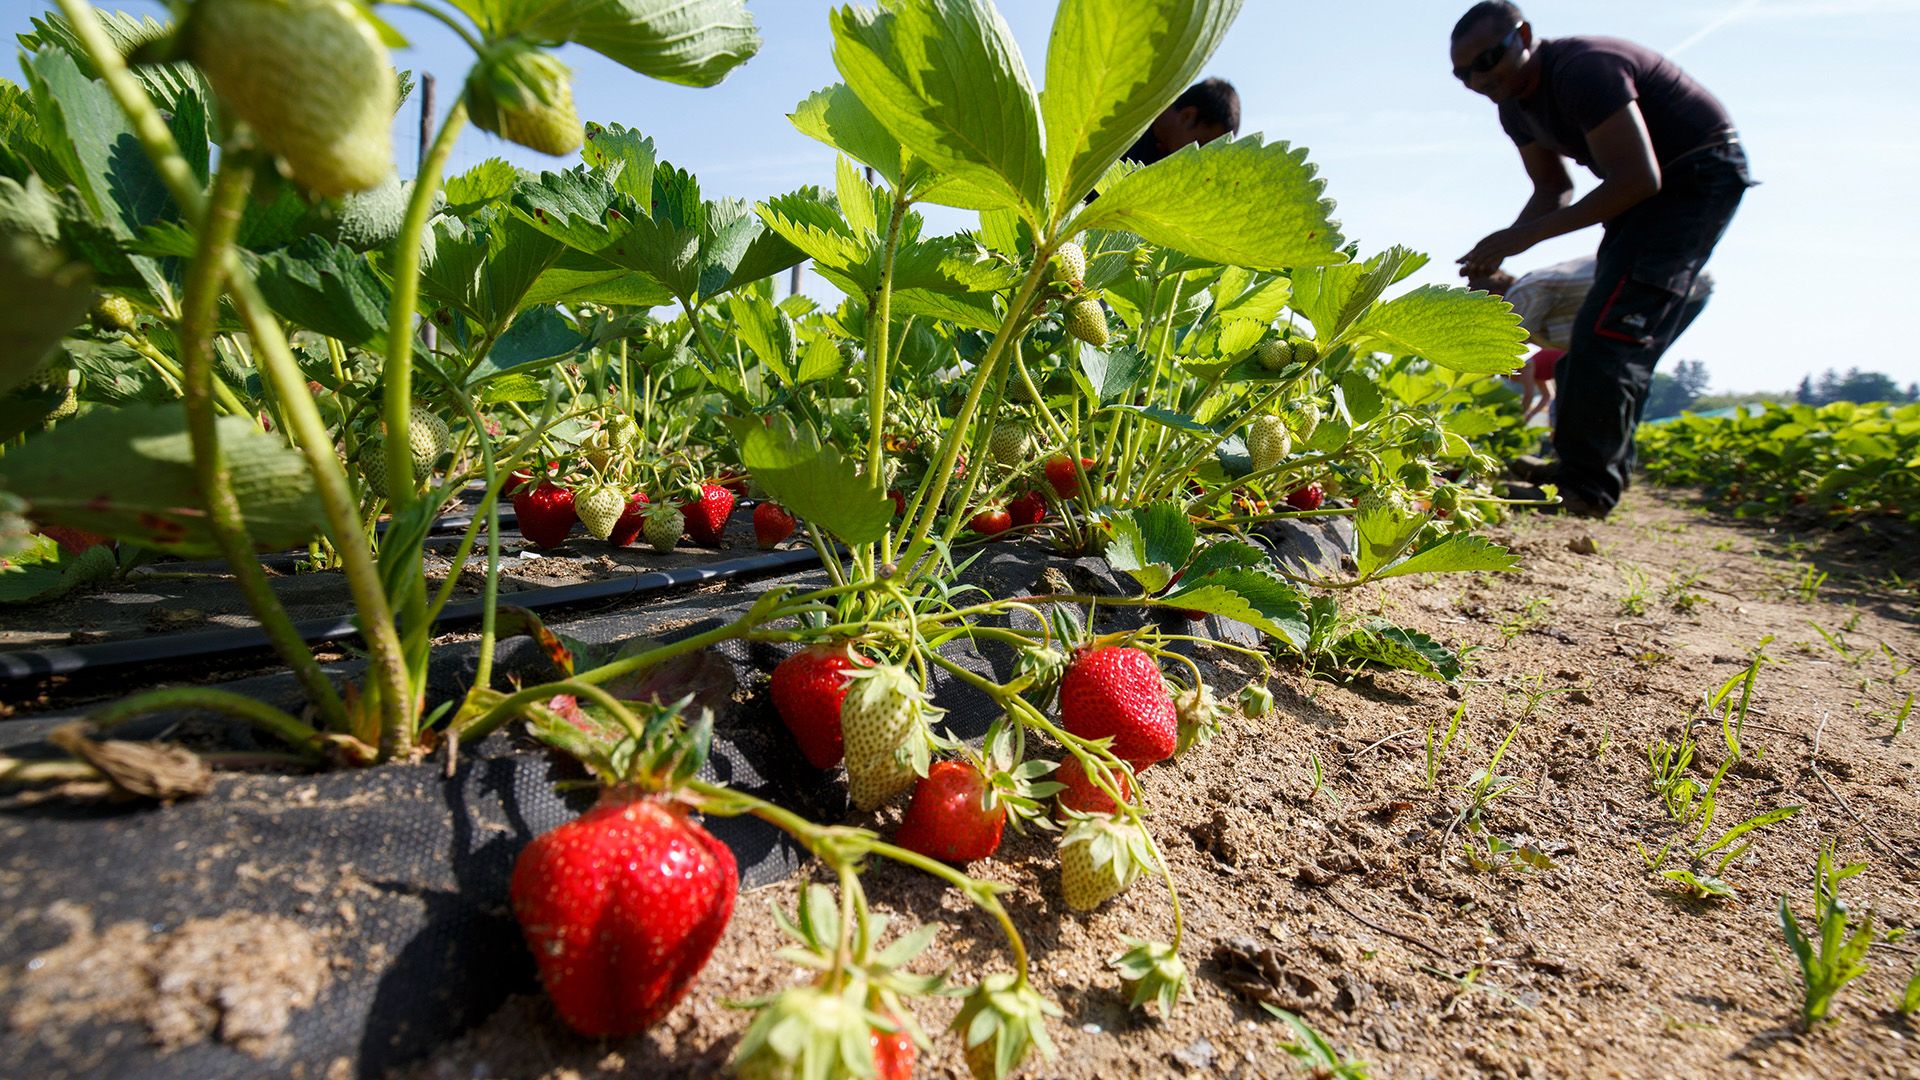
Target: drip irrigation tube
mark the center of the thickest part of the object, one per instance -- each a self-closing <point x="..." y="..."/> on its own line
<point x="39" y="663"/>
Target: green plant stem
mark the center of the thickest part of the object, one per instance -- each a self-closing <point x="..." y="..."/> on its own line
<point x="279" y="370"/>
<point x="303" y="738"/>
<point x="223" y="394"/>
<point x="879" y="324"/>
<point x="199" y="308"/>
<point x="932" y="494"/>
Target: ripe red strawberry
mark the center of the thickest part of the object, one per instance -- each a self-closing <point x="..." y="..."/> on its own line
<point x="621" y="908"/>
<point x="1307" y="498"/>
<point x="545" y="513"/>
<point x="632" y="520"/>
<point x="771" y="525"/>
<point x="893" y="1053"/>
<point x="70" y="540"/>
<point x="520" y="478"/>
<point x="954" y="815"/>
<point x="991" y="522"/>
<point x="707" y="515"/>
<point x="1082" y="794"/>
<point x="1028" y="509"/>
<point x="899" y="502"/>
<point x="808" y="689"/>
<point x="1119" y="692"/>
<point x="1060" y="474"/>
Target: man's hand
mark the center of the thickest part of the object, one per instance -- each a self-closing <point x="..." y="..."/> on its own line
<point x="1486" y="256"/>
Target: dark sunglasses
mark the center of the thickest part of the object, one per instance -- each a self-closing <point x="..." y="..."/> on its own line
<point x="1489" y="59"/>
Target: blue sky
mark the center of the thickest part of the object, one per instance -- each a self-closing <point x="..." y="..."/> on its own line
<point x="1813" y="274"/>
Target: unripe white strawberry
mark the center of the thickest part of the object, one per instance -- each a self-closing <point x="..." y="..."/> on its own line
<point x="310" y="77"/>
<point x="1070" y="264"/>
<point x="1267" y="442"/>
<point x="523" y="94"/>
<point x="883" y="724"/>
<point x="1087" y="320"/>
<point x="1099" y="858"/>
<point x="662" y="525"/>
<point x="599" y="508"/>
<point x="1010" y="442"/>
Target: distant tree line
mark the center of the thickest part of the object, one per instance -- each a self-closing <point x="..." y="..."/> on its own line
<point x="1685" y="388"/>
<point x="1855" y="385"/>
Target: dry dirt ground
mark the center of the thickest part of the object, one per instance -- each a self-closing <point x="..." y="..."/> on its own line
<point x="1355" y="898"/>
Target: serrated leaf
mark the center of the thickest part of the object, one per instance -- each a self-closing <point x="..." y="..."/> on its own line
<point x="688" y="42"/>
<point x="946" y="79"/>
<point x="1382" y="532"/>
<point x="836" y="116"/>
<point x="1459" y="553"/>
<point x="28" y="580"/>
<point x="1167" y="418"/>
<point x="518" y="387"/>
<point x="625" y="155"/>
<point x="1381" y="642"/>
<point x="1240" y="293"/>
<point x="328" y="288"/>
<point x="1150" y="542"/>
<point x="127" y="473"/>
<point x="1250" y="595"/>
<point x="1225" y="555"/>
<point x="486" y="184"/>
<point x="1363" y="399"/>
<point x="821" y="359"/>
<point x="1452" y="327"/>
<point x="814" y="482"/>
<point x="1111" y="69"/>
<point x="1113" y="375"/>
<point x="538" y="336"/>
<point x="1236" y="202"/>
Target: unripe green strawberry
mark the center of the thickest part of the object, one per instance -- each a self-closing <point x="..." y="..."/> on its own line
<point x="1267" y="442"/>
<point x="1417" y="475"/>
<point x="1446" y="499"/>
<point x="311" y="77"/>
<point x="1256" y="700"/>
<point x="1305" y="352"/>
<point x="1070" y="264"/>
<point x="1087" y="320"/>
<point x="111" y="313"/>
<point x="663" y="525"/>
<point x="600" y="507"/>
<point x="883" y="725"/>
<point x="521" y="93"/>
<point x="623" y="433"/>
<point x="1099" y="858"/>
<point x="69" y="405"/>
<point x="427" y="439"/>
<point x="1274" y="354"/>
<point x="1010" y="442"/>
<point x="1303" y="422"/>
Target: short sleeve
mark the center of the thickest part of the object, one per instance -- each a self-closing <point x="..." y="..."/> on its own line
<point x="1595" y="85"/>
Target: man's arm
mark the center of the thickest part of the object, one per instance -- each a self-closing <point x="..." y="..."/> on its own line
<point x="1552" y="186"/>
<point x="1622" y="151"/>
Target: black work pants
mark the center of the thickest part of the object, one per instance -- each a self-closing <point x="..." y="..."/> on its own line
<point x="1645" y="268"/>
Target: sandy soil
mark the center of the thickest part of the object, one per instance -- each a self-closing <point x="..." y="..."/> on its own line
<point x="1355" y="903"/>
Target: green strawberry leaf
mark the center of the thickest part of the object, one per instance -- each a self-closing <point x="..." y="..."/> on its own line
<point x="43" y="572"/>
<point x="1250" y="595"/>
<point x="1111" y="376"/>
<point x="486" y="184"/>
<point x="328" y="288"/>
<point x="1276" y="219"/>
<point x="127" y="474"/>
<point x="625" y="155"/>
<point x="1248" y="294"/>
<point x="539" y="336"/>
<point x="1381" y="642"/>
<point x="947" y="81"/>
<point x="1361" y="396"/>
<point x="1111" y="69"/>
<point x="688" y="42"/>
<point x="836" y="116"/>
<point x="1332" y="298"/>
<point x="1383" y="532"/>
<point x="1150" y="542"/>
<point x="1452" y="327"/>
<point x="1459" y="553"/>
<point x="1225" y="555"/>
<point x="813" y="481"/>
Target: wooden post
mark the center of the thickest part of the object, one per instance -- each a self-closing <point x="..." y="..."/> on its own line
<point x="432" y="335"/>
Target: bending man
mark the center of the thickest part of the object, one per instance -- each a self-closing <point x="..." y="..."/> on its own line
<point x="1671" y="171"/>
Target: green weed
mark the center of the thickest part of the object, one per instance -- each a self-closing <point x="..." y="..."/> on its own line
<point x="1836" y="954"/>
<point x="1314" y="1053"/>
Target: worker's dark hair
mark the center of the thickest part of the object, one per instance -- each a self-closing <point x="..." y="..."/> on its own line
<point x="1214" y="101"/>
<point x="1488" y="11"/>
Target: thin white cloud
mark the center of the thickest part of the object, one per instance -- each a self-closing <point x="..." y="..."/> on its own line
<point x="1726" y="18"/>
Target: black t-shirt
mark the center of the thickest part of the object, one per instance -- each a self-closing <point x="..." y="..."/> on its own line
<point x="1585" y="80"/>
